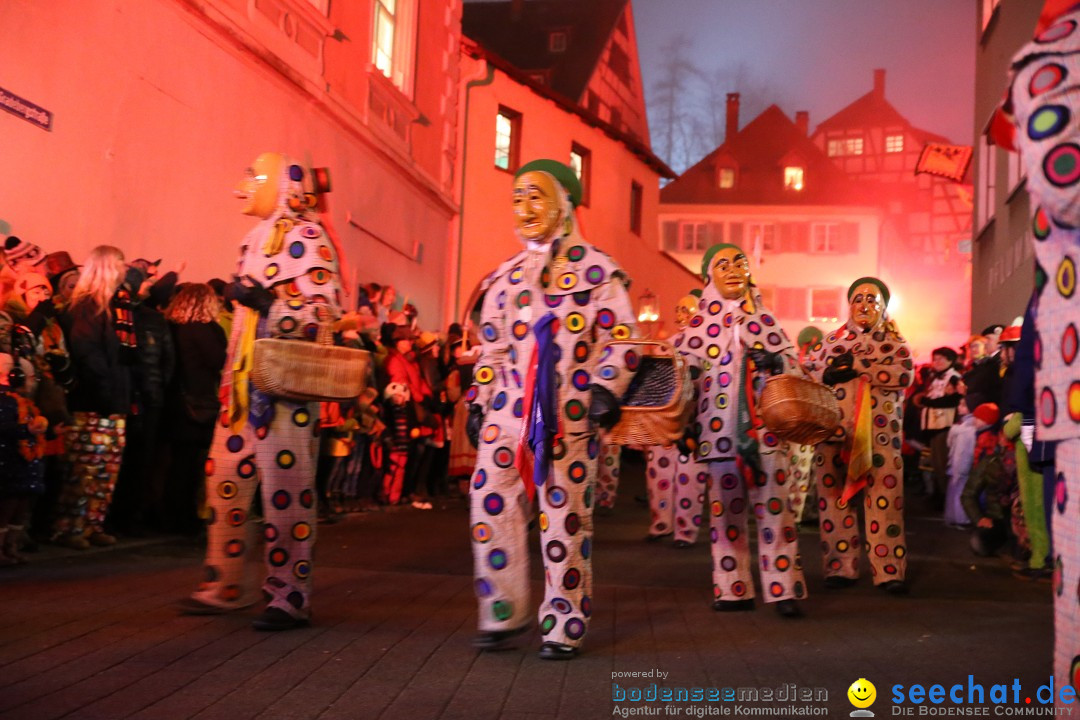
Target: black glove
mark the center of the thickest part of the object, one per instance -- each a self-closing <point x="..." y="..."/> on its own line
<point x="604" y="408"/>
<point x="766" y="361"/>
<point x="473" y="423"/>
<point x="688" y="443"/>
<point x="250" y="294"/>
<point x="841" y="370"/>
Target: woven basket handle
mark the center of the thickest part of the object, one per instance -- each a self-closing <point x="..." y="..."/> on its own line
<point x="325" y="335"/>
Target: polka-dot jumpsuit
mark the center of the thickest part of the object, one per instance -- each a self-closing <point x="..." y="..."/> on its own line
<point x="716" y="343"/>
<point x="274" y="442"/>
<point x="883" y="360"/>
<point x="586" y="292"/>
<point x="1045" y="94"/>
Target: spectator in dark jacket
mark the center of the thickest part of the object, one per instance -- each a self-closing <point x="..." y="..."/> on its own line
<point x="200" y="344"/>
<point x="101" y="340"/>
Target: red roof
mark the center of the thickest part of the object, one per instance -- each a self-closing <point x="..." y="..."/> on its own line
<point x="758" y="153"/>
<point x="873" y="110"/>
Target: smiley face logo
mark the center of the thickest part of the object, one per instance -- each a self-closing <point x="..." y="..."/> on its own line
<point x="862" y="694"/>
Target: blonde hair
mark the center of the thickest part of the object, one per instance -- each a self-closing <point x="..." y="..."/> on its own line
<point x="101" y="276"/>
<point x="195" y="303"/>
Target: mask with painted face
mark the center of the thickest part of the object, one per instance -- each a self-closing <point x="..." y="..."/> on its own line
<point x="538" y="211"/>
<point x="866" y="306"/>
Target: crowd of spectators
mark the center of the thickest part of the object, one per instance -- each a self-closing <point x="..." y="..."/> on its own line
<point x="109" y="380"/>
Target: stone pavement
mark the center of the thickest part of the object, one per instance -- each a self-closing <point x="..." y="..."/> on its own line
<point x="95" y="636"/>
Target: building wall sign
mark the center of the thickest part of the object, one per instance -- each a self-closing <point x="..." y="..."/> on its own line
<point x="26" y="110"/>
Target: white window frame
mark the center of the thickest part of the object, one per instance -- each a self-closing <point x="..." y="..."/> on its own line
<point x="508" y="127"/>
<point x="766" y="231"/>
<point x="825" y="238"/>
<point x="397" y="61"/>
<point x="693" y="235"/>
<point x="853" y="145"/>
<point x="726" y="174"/>
<point x="794" y="177"/>
<point x="894" y="143"/>
<point x="985" y="191"/>
<point x="835" y="147"/>
<point x="582" y="167"/>
<point x="1016" y="172"/>
<point x="557" y="41"/>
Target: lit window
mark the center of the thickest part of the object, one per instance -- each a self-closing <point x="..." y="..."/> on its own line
<point x="393" y="41"/>
<point x="825" y="238"/>
<point x="836" y="148"/>
<point x="557" y="42"/>
<point x="825" y="304"/>
<point x="853" y="146"/>
<point x="793" y="178"/>
<point x="507" y="123"/>
<point x="727" y="178"/>
<point x="581" y="162"/>
<point x="894" y="143"/>
<point x="636" y="193"/>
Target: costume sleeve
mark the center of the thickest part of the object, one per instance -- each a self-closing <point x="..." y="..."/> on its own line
<point x="888" y="371"/>
<point x="1050" y="125"/>
<point x="614" y="321"/>
<point x="494" y="348"/>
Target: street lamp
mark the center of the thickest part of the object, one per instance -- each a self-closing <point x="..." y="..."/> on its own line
<point x="648" y="311"/>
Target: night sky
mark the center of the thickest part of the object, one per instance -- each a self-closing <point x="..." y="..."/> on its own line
<point x="818" y="55"/>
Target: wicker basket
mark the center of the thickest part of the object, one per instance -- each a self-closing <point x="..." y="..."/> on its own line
<point x="658" y="403"/>
<point x="799" y="410"/>
<point x="309" y="371"/>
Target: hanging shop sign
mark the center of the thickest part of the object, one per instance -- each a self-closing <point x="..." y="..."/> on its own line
<point x="25" y="109"/>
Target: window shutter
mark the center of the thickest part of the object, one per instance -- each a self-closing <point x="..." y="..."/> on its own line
<point x="785" y="242"/>
<point x="736" y="229"/>
<point x="716" y="233"/>
<point x="802" y="237"/>
<point x="849" y="238"/>
<point x="791" y="302"/>
<point x="671" y="236"/>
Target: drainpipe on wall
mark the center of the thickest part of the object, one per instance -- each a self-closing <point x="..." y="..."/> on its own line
<point x="486" y="80"/>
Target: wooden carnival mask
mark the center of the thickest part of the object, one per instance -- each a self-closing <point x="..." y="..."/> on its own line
<point x="867" y="305"/>
<point x="259" y="188"/>
<point x="731" y="273"/>
<point x="685" y="310"/>
<point x="537" y="210"/>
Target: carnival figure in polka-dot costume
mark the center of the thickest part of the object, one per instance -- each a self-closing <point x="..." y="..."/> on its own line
<point x="540" y="381"/>
<point x="735" y="340"/>
<point x="288" y="285"/>
<point x="674" y="479"/>
<point x="1045" y="102"/>
<point x="868" y="365"/>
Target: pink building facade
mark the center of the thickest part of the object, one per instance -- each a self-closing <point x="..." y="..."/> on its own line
<point x="158" y="106"/>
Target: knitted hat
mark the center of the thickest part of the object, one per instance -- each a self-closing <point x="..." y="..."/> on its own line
<point x="22" y="255"/>
<point x="564" y="174"/>
<point x="885" y="294"/>
<point x="810" y="335"/>
<point x="988" y="413"/>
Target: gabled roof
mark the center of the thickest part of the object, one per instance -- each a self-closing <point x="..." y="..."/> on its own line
<point x="634" y="144"/>
<point x="759" y="151"/>
<point x="873" y="110"/>
<point x="518" y="32"/>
